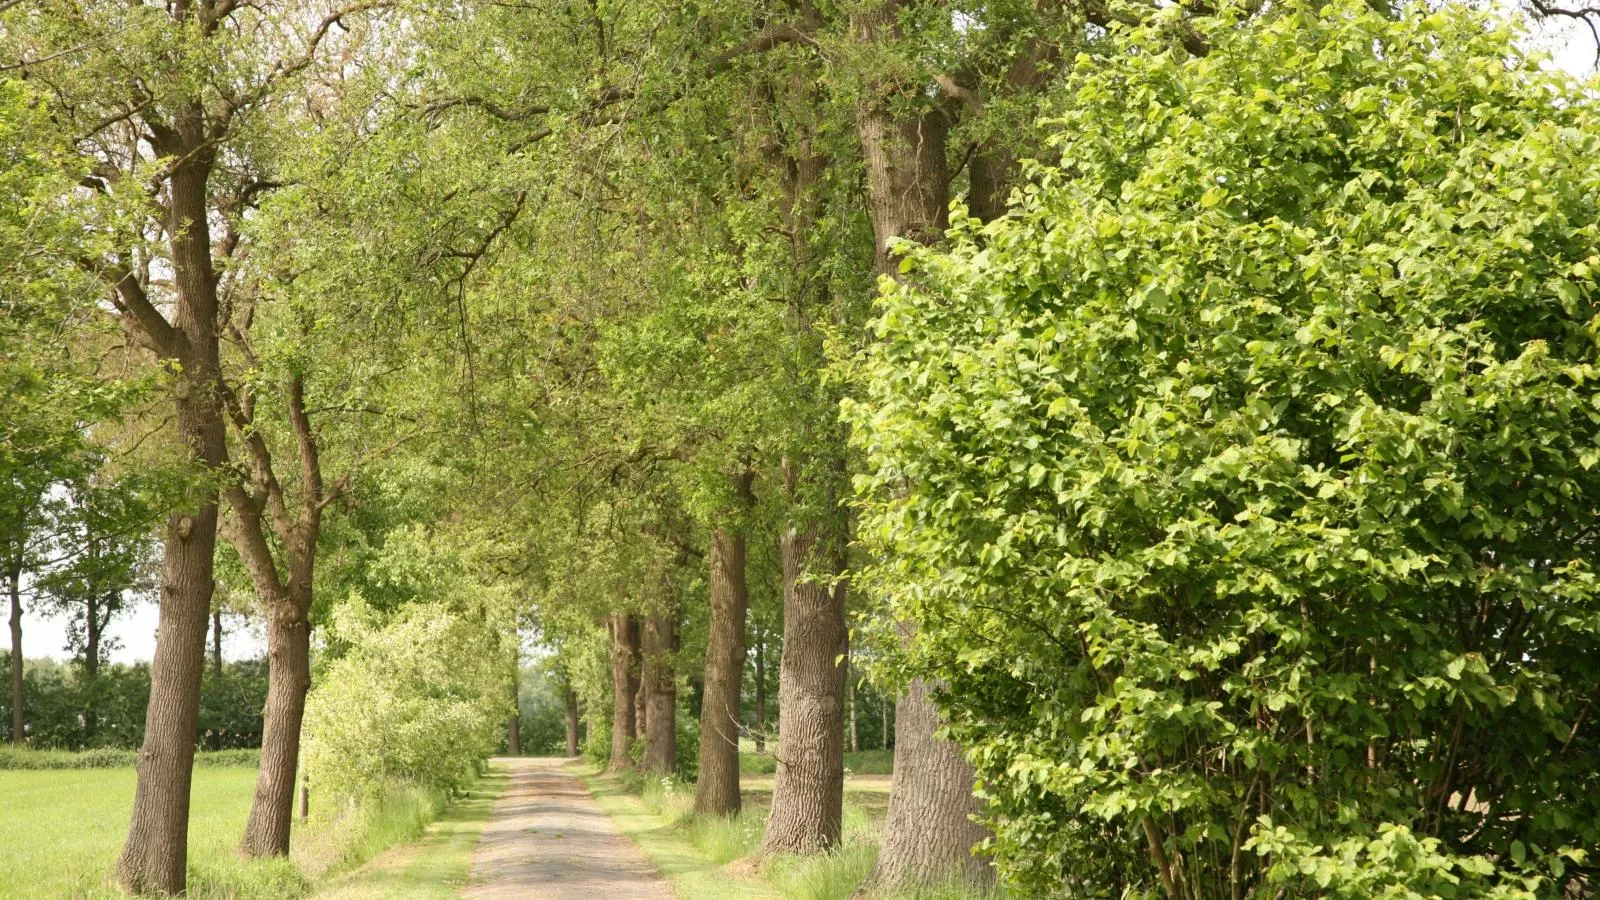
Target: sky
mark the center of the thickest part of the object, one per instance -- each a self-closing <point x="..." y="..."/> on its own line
<point x="1570" y="45"/>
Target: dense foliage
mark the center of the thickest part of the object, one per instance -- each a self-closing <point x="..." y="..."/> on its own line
<point x="419" y="698"/>
<point x="58" y="701"/>
<point x="1242" y="481"/>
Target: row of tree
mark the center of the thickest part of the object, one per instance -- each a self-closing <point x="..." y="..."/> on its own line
<point x="468" y="318"/>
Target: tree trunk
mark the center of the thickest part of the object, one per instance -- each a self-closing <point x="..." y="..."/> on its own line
<point x="266" y="832"/>
<point x="850" y="684"/>
<point x="808" y="792"/>
<point x="761" y="690"/>
<point x="305" y="796"/>
<point x="928" y="834"/>
<point x="93" y="626"/>
<point x="641" y="695"/>
<point x="155" y="854"/>
<point x="216" y="643"/>
<point x="717" y="791"/>
<point x="514" y="723"/>
<point x="14" y="587"/>
<point x="572" y="721"/>
<point x="883" y="723"/>
<point x="660" y="689"/>
<point x="624" y="686"/>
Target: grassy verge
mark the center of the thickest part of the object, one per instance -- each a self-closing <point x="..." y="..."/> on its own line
<point x="64" y="826"/>
<point x="694" y="857"/>
<point x="860" y="762"/>
<point x="436" y="865"/>
<point x="708" y="857"/>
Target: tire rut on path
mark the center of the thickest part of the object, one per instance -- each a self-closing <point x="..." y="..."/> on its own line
<point x="547" y="839"/>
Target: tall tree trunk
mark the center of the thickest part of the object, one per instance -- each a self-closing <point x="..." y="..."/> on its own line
<point x="572" y="720"/>
<point x="216" y="643"/>
<point x="850" y="685"/>
<point x="927" y="835"/>
<point x="660" y="689"/>
<point x="155" y="854"/>
<point x="305" y="796"/>
<point x="285" y="602"/>
<point x="266" y="832"/>
<point x="883" y="722"/>
<point x="14" y="587"/>
<point x="717" y="791"/>
<point x="761" y="690"/>
<point x="641" y="694"/>
<point x="624" y="686"/>
<point x="808" y="792"/>
<point x="93" y="626"/>
<point x="514" y="724"/>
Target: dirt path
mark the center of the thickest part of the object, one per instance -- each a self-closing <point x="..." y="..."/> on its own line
<point x="548" y="840"/>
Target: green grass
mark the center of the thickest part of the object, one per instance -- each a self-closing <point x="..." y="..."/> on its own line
<point x="63" y="829"/>
<point x="657" y="821"/>
<point x="711" y="858"/>
<point x="861" y="762"/>
<point x="438" y="864"/>
<point x="707" y="857"/>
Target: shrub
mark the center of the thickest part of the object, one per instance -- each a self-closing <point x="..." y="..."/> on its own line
<point x="1241" y="479"/>
<point x="107" y="758"/>
<point x="417" y="699"/>
<point x="57" y="701"/>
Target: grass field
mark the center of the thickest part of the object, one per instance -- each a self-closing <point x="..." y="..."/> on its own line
<point x="62" y="829"/>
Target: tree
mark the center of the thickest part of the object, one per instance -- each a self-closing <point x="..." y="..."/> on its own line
<point x="160" y="111"/>
<point x="1238" y="480"/>
<point x="50" y="393"/>
<point x="716" y="789"/>
<point x="104" y="561"/>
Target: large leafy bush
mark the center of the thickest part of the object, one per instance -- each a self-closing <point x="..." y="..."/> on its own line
<point x="419" y="698"/>
<point x="1242" y="481"/>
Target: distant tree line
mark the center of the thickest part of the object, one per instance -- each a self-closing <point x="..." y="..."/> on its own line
<point x="64" y="710"/>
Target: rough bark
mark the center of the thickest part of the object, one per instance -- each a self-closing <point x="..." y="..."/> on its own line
<point x="717" y="791"/>
<point x="808" y="791"/>
<point x="155" y="854"/>
<point x="660" y="689"/>
<point x="14" y="587"/>
<point x="624" y="686"/>
<point x="572" y="721"/>
<point x="216" y="643"/>
<point x="285" y="601"/>
<point x="928" y="834"/>
<point x="266" y="832"/>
